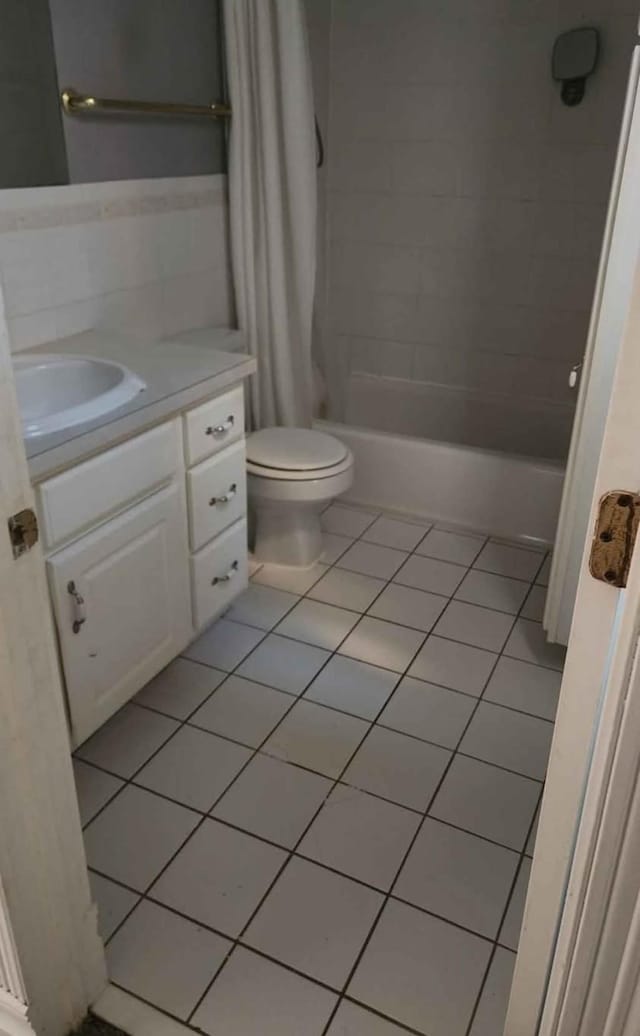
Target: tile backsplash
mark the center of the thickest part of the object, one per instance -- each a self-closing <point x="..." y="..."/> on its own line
<point x="466" y="202"/>
<point x="149" y="257"/>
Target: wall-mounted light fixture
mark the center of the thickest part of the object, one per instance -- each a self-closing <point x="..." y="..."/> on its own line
<point x="575" y="56"/>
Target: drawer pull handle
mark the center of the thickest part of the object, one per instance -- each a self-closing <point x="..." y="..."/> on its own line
<point x="225" y="497"/>
<point x="221" y="429"/>
<point x="79" y="610"/>
<point x="227" y="577"/>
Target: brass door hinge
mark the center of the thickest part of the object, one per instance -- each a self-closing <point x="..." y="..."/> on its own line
<point x="23" y="531"/>
<point x="614" y="537"/>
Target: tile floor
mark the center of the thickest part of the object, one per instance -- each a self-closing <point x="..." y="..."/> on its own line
<point x="320" y="819"/>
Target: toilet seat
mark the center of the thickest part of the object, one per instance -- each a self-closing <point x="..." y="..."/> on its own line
<point x="296" y="455"/>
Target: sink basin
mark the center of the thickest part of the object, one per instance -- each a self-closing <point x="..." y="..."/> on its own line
<point x="59" y="391"/>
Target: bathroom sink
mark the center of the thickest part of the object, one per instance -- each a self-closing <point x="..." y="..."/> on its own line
<point x="58" y="391"/>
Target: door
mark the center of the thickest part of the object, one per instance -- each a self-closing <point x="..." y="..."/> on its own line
<point x="610" y="306"/>
<point x="42" y="860"/>
<point x="577" y="910"/>
<point x="122" y="606"/>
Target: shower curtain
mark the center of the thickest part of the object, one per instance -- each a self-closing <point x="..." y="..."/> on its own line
<point x="272" y="196"/>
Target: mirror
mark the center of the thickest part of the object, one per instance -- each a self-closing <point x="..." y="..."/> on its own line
<point x="153" y="50"/>
<point x="575" y="56"/>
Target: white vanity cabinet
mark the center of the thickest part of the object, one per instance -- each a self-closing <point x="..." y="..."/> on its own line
<point x="146" y="543"/>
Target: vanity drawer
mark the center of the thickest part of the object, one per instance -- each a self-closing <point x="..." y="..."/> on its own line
<point x="88" y="493"/>
<point x="213" y="425"/>
<point x="218" y="573"/>
<point x="217" y="494"/>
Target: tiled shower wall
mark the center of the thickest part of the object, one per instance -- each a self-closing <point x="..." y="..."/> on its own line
<point x="148" y="257"/>
<point x="466" y="202"/>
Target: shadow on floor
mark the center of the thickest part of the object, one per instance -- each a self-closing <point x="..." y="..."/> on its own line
<point x="93" y="1026"/>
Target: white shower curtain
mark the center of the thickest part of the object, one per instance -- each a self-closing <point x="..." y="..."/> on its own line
<point x="272" y="189"/>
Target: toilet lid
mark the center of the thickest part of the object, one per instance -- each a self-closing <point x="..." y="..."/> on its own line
<point x="294" y="449"/>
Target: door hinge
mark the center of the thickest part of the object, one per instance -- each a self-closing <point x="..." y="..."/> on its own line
<point x="23" y="531"/>
<point x="614" y="537"/>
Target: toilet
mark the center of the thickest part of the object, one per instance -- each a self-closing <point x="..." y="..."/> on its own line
<point x="292" y="474"/>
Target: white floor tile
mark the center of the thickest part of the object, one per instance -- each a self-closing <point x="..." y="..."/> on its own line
<point x="422" y="971"/>
<point x="491" y="591"/>
<point x="316" y="623"/>
<point x="285" y="577"/>
<point x="492" y="1009"/>
<point x="504" y="560"/>
<point x="180" y="688"/>
<point x="521" y="685"/>
<point x="273" y="800"/>
<point x="219" y="877"/>
<point x="136" y="835"/>
<point x="510" y="931"/>
<point x="382" y="643"/>
<point x="243" y="710"/>
<point x="390" y="532"/>
<point x="352" y="686"/>
<point x="533" y="607"/>
<point x="361" y="836"/>
<point x="113" y="901"/>
<point x="287" y="665"/>
<point x="487" y="801"/>
<point x="316" y="737"/>
<point x="529" y="643"/>
<point x="402" y="769"/>
<point x="253" y="996"/>
<point x="127" y="740"/>
<point x="457" y="666"/>
<point x="194" y="768"/>
<point x="409" y="607"/>
<point x="458" y="876"/>
<point x="261" y="606"/>
<point x="224" y="644"/>
<point x="510" y="739"/>
<point x="165" y="959"/>
<point x="334" y="547"/>
<point x="315" y="920"/>
<point x="437" y="577"/>
<point x="352" y="1020"/>
<point x="427" y="711"/>
<point x="450" y="546"/>
<point x="349" y="589"/>
<point x="346" y="521"/>
<point x="94" y="788"/>
<point x="479" y="627"/>
<point x="371" y="560"/>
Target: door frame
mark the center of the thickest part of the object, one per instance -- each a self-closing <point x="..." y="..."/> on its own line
<point x="42" y="862"/>
<point x="580" y="867"/>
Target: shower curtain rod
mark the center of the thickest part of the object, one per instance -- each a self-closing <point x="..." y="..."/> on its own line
<point x="75" y="103"/>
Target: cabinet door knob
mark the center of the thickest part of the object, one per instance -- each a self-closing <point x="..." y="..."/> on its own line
<point x="227" y="577"/>
<point x="225" y="497"/>
<point x="79" y="610"/>
<point x="221" y="429"/>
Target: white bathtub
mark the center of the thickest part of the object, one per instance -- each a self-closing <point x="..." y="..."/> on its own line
<point x="499" y="493"/>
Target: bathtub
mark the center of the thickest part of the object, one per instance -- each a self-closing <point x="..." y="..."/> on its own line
<point x="504" y="494"/>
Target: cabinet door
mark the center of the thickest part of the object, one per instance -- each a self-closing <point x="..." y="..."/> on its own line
<point x="134" y="615"/>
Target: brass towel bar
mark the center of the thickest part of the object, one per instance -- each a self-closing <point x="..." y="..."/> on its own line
<point x="81" y="104"/>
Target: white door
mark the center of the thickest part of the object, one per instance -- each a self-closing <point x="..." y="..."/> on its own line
<point x="122" y="606"/>
<point x="571" y="934"/>
<point x="610" y="306"/>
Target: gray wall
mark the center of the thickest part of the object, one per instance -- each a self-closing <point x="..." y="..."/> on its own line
<point x="31" y="142"/>
<point x="148" y="49"/>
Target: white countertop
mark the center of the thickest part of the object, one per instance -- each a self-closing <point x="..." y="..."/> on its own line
<point x="179" y="372"/>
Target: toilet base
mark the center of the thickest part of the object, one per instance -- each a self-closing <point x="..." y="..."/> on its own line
<point x="288" y="533"/>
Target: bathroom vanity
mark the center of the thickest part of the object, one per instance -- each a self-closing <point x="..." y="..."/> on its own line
<point x="142" y="519"/>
